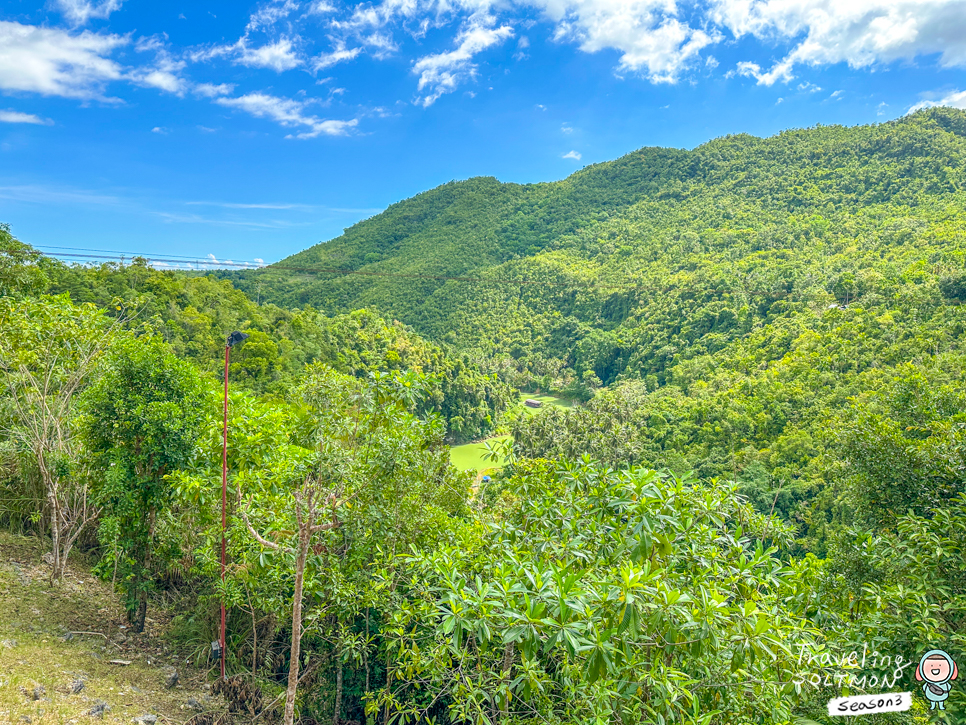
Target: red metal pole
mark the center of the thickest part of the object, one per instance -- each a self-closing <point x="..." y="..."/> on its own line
<point x="224" y="506"/>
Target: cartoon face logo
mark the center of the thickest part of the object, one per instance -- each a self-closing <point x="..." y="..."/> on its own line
<point x="936" y="671"/>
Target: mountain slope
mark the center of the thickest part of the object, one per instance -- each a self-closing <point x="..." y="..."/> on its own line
<point x="659" y="254"/>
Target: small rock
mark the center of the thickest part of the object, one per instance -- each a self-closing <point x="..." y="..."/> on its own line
<point x="9" y="643"/>
<point x="38" y="692"/>
<point x="136" y="690"/>
<point x="171" y="678"/>
<point x="195" y="705"/>
<point x="69" y="637"/>
<point x="26" y="719"/>
<point x="120" y="638"/>
<point x="100" y="707"/>
<point x="76" y="686"/>
<point x="146" y="719"/>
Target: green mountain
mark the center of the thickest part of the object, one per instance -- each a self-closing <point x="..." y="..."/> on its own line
<point x="734" y="217"/>
<point x="748" y="304"/>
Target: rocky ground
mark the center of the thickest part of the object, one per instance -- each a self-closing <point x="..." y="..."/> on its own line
<point x="67" y="656"/>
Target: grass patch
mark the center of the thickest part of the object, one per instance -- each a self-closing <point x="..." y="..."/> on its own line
<point x="546" y="400"/>
<point x="469" y="457"/>
<point x="35" y="617"/>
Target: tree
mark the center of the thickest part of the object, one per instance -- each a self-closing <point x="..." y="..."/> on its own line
<point x="906" y="447"/>
<point x="310" y="502"/>
<point x="48" y="348"/>
<point x="329" y="489"/>
<point x="22" y="268"/>
<point x="598" y="596"/>
<point x="142" y="418"/>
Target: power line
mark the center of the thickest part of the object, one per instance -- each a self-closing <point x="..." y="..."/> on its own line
<point x="245" y="265"/>
<point x="125" y="255"/>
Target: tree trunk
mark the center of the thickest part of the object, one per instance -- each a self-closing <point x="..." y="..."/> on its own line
<point x="57" y="568"/>
<point x="145" y="577"/>
<point x="305" y="533"/>
<point x="53" y="499"/>
<point x="338" y="685"/>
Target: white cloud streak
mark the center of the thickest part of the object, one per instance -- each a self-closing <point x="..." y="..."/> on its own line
<point x="341" y="54"/>
<point x="18" y="117"/>
<point x="210" y="90"/>
<point x="955" y="99"/>
<point x="79" y="12"/>
<point x="443" y="72"/>
<point x="575" y="155"/>
<point x="289" y="113"/>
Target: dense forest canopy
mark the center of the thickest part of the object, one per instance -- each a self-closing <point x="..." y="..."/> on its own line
<point x="764" y="342"/>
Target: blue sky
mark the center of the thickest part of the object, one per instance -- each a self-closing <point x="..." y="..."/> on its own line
<point x="251" y="130"/>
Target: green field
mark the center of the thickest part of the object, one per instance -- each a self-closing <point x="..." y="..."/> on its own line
<point x="470" y="455"/>
<point x="546" y="400"/>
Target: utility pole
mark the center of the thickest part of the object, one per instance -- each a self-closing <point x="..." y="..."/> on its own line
<point x="233" y="339"/>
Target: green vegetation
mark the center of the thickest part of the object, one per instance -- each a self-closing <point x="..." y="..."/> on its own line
<point x="476" y="456"/>
<point x="752" y="447"/>
<point x="473" y="456"/>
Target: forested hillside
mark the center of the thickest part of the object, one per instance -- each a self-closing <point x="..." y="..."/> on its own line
<point x="746" y="301"/>
<point x="764" y="469"/>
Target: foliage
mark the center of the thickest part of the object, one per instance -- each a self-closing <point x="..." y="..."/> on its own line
<point x="22" y="268"/>
<point x="142" y="416"/>
<point x="386" y="471"/>
<point x="603" y="596"/>
<point x="48" y="348"/>
<point x="194" y="313"/>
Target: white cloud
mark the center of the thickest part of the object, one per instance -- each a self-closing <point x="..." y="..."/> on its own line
<point x="18" y="117"/>
<point x="278" y="56"/>
<point x="566" y="129"/>
<point x="857" y="32"/>
<point x="650" y="35"/>
<point x="781" y="71"/>
<point x="651" y="39"/>
<point x="443" y="72"/>
<point x="52" y="62"/>
<point x="267" y="15"/>
<point x="956" y="99"/>
<point x="80" y="11"/>
<point x="289" y="113"/>
<point x="339" y="55"/>
<point x="210" y="90"/>
<point x="837" y="94"/>
<point x="165" y="73"/>
<point x="576" y="155"/>
<point x="161" y="130"/>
